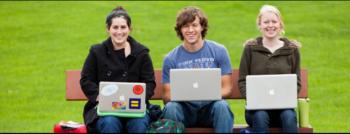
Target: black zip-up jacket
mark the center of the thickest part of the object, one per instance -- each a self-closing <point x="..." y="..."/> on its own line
<point x="106" y="64"/>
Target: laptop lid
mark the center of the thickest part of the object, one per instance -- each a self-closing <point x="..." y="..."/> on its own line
<point x="271" y="91"/>
<point x="122" y="99"/>
<point x="197" y="84"/>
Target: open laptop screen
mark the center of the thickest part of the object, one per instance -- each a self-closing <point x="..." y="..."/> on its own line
<point x="195" y="84"/>
<point x="271" y="91"/>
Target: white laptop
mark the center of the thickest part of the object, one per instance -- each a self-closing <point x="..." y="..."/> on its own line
<point x="271" y="91"/>
<point x="122" y="99"/>
<point x="199" y="84"/>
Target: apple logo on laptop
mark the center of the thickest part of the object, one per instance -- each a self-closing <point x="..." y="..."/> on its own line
<point x="195" y="85"/>
<point x="272" y="92"/>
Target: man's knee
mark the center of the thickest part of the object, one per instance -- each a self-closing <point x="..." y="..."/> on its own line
<point x="172" y="106"/>
<point x="221" y="108"/>
<point x="173" y="110"/>
<point x="221" y="105"/>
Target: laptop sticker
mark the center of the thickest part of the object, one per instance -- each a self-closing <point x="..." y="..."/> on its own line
<point x="134" y="103"/>
<point x="120" y="105"/>
<point x="137" y="89"/>
<point x="122" y="98"/>
<point x="109" y="90"/>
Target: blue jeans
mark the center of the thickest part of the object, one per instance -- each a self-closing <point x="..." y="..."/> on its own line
<point x="216" y="114"/>
<point x="113" y="124"/>
<point x="261" y="120"/>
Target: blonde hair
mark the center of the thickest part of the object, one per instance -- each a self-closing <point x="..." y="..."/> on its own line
<point x="272" y="9"/>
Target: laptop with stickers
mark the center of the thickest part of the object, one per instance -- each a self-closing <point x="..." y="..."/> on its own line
<point x="122" y="99"/>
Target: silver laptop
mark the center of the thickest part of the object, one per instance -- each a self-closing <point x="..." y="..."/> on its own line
<point x="271" y="91"/>
<point x="122" y="99"/>
<point x="195" y="84"/>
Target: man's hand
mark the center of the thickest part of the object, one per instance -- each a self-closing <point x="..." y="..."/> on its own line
<point x="226" y="84"/>
<point x="166" y="93"/>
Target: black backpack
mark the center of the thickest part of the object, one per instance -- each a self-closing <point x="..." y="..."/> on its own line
<point x="154" y="111"/>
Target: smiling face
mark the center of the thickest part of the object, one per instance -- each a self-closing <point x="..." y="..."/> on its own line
<point x="119" y="31"/>
<point x="270" y="25"/>
<point x="192" y="32"/>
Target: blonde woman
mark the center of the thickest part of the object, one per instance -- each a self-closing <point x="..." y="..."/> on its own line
<point x="270" y="54"/>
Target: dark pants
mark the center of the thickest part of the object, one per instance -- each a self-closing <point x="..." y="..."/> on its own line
<point x="261" y="120"/>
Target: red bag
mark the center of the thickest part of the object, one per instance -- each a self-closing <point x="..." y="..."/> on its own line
<point x="69" y="127"/>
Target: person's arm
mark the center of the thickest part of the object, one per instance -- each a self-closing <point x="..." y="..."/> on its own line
<point x="226" y="84"/>
<point x="147" y="76"/>
<point x="297" y="68"/>
<point x="244" y="68"/>
<point x="166" y="80"/>
<point x="88" y="80"/>
<point x="226" y="73"/>
<point x="166" y="93"/>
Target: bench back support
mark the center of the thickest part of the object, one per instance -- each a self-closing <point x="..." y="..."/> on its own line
<point x="74" y="92"/>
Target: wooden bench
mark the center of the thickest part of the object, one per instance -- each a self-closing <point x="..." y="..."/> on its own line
<point x="74" y="93"/>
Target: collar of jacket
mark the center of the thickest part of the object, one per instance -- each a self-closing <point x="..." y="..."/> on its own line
<point x="136" y="47"/>
<point x="287" y="48"/>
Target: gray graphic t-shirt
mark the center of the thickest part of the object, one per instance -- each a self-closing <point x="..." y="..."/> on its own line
<point x="211" y="55"/>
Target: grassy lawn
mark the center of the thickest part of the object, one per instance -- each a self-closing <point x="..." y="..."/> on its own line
<point x="40" y="40"/>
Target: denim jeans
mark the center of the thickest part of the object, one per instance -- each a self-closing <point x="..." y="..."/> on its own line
<point x="113" y="124"/>
<point x="261" y="120"/>
<point x="216" y="114"/>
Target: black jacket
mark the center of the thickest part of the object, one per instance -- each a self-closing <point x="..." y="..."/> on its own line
<point x="104" y="64"/>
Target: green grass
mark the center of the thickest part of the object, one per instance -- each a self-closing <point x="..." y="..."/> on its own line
<point x="40" y="40"/>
